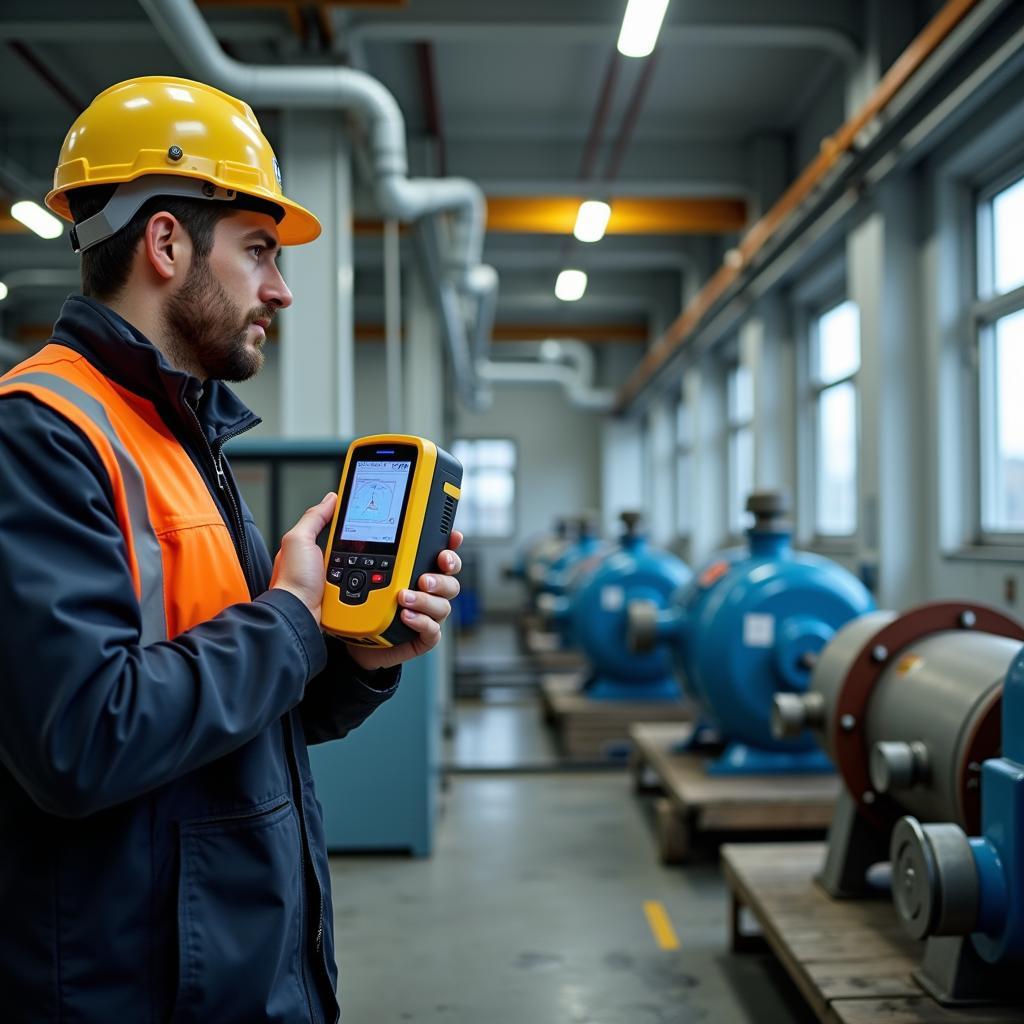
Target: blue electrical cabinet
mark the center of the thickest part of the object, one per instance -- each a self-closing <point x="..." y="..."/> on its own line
<point x="379" y="785"/>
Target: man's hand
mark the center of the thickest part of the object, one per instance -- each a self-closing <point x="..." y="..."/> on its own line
<point x="423" y="610"/>
<point x="299" y="565"/>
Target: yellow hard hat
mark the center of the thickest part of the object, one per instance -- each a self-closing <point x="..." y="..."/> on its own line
<point x="160" y="136"/>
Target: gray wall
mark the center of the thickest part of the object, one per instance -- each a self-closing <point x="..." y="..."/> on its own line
<point x="559" y="473"/>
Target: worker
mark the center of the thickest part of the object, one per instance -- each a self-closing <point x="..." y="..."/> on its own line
<point x="162" y="854"/>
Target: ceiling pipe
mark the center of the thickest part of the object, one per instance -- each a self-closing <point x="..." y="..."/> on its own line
<point x="600" y="118"/>
<point x="565" y="362"/>
<point x="431" y="103"/>
<point x="631" y="117"/>
<point x="399" y="197"/>
<point x="469" y="388"/>
<point x="755" y="35"/>
<point x="57" y="87"/>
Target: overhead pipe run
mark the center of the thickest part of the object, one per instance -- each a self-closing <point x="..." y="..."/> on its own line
<point x="399" y="197"/>
<point x="567" y="363"/>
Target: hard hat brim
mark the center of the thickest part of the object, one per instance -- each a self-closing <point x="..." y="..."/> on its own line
<point x="296" y="227"/>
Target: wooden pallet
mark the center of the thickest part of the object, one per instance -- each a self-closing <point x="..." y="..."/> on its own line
<point x="591" y="730"/>
<point x="695" y="802"/>
<point x="851" y="959"/>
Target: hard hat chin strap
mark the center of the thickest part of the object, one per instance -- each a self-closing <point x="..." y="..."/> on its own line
<point x="128" y="198"/>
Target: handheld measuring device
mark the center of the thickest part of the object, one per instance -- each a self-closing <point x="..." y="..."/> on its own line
<point x="395" y="512"/>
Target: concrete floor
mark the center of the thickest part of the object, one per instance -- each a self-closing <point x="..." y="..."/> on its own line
<point x="531" y="912"/>
<point x="502" y="729"/>
<point x="531" y="909"/>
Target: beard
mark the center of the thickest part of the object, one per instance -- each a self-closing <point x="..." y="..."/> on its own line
<point x="207" y="332"/>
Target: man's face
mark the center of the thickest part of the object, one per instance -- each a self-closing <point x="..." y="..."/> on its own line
<point x="219" y="317"/>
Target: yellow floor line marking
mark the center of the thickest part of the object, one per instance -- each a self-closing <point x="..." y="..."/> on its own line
<point x="661" y="926"/>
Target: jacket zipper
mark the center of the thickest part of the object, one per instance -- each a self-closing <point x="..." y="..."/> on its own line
<point x="306" y="854"/>
<point x="217" y="461"/>
<point x="222" y="482"/>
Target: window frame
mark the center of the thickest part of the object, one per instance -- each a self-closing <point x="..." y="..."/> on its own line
<point x="734" y="427"/>
<point x="815" y="390"/>
<point x="683" y="450"/>
<point x="515" y="517"/>
<point x="986" y="309"/>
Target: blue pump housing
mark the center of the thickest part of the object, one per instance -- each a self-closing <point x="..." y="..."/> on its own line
<point x="564" y="575"/>
<point x="999" y="852"/>
<point x="749" y="626"/>
<point x="598" y="621"/>
<point x="563" y="570"/>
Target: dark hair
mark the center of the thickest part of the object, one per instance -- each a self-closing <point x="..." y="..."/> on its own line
<point x="106" y="265"/>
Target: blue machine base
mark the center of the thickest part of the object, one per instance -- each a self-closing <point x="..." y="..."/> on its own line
<point x="602" y="688"/>
<point x="739" y="759"/>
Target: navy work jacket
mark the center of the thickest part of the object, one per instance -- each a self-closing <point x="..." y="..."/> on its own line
<point x="191" y="884"/>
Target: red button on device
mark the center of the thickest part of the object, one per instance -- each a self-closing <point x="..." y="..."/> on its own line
<point x="377" y="577"/>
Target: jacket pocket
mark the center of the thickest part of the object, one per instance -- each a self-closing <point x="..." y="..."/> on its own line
<point x="240" y="918"/>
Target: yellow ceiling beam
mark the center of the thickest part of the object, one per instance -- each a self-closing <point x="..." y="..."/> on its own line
<point x="556" y="215"/>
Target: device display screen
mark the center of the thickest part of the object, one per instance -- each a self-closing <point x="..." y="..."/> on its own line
<point x="375" y="502"/>
<point x="374" y="499"/>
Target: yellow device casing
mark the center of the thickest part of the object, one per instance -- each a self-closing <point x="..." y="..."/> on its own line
<point x="396" y="508"/>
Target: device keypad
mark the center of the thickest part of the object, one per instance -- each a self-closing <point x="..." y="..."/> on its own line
<point x="357" y="575"/>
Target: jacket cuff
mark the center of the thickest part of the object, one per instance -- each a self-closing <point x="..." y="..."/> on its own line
<point x="372" y="686"/>
<point x="303" y="626"/>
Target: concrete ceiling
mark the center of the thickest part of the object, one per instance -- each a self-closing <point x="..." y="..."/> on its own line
<point x="516" y="84"/>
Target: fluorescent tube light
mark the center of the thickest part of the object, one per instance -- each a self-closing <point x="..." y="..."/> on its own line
<point x="640" y="27"/>
<point x="592" y="220"/>
<point x="571" y="285"/>
<point x="36" y="219"/>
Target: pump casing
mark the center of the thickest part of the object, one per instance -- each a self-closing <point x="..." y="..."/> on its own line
<point x="748" y="626"/>
<point x="960" y="884"/>
<point x="598" y="616"/>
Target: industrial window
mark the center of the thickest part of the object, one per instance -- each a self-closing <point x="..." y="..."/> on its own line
<point x="740" y="407"/>
<point x="999" y="323"/>
<point x="835" y="360"/>
<point x="647" y="462"/>
<point x="684" y="469"/>
<point x="487" y="507"/>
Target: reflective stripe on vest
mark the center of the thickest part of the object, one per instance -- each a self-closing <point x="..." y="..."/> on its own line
<point x="144" y="539"/>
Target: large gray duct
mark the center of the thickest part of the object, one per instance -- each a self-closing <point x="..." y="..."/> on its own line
<point x="399" y="197"/>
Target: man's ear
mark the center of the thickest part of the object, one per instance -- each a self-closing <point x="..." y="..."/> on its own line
<point x="167" y="246"/>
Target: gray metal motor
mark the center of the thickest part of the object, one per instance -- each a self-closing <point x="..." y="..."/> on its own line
<point x="907" y="707"/>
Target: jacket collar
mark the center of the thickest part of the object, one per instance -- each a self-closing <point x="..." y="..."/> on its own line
<point x="124" y="354"/>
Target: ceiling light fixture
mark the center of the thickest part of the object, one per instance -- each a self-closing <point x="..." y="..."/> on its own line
<point x="36" y="219"/>
<point x="640" y="27"/>
<point x="571" y="285"/>
<point x="592" y="221"/>
<point x="3" y="291"/>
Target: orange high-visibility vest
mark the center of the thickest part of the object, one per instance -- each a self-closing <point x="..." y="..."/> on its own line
<point x="181" y="557"/>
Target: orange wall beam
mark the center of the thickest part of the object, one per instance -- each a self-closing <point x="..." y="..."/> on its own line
<point x="832" y="149"/>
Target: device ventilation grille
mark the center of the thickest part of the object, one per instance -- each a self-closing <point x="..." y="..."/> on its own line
<point x="448" y="515"/>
